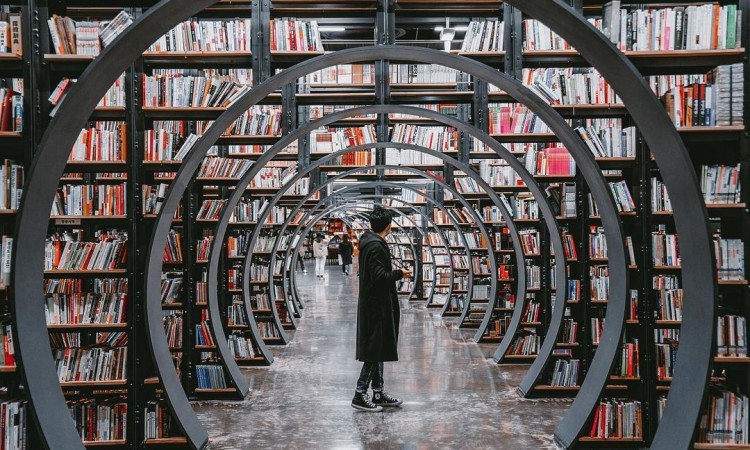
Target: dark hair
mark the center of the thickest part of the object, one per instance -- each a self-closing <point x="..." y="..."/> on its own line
<point x="345" y="238"/>
<point x="380" y="218"/>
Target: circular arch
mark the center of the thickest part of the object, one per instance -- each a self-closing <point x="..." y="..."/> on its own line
<point x="507" y="215"/>
<point x="678" y="424"/>
<point x="392" y="184"/>
<point x="28" y="263"/>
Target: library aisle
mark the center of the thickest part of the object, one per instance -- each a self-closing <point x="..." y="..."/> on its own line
<point x="453" y="394"/>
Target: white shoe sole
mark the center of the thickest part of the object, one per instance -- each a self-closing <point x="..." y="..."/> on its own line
<point x="391" y="405"/>
<point x="362" y="408"/>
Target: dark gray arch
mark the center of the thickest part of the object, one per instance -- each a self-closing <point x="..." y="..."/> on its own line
<point x="678" y="423"/>
<point x="30" y="262"/>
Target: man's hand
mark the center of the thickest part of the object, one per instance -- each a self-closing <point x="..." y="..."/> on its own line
<point x="407" y="274"/>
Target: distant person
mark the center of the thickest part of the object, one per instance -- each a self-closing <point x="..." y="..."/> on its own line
<point x="378" y="313"/>
<point x="301" y="263"/>
<point x="320" y="251"/>
<point x="346" y="249"/>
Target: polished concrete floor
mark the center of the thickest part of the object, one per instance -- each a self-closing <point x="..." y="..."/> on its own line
<point x="454" y="396"/>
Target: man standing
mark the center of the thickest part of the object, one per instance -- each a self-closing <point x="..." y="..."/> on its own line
<point x="378" y="312"/>
<point x="345" y="251"/>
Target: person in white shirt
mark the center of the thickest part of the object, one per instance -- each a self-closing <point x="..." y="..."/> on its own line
<point x="320" y="251"/>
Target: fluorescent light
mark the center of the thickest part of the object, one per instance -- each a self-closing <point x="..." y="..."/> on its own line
<point x="457" y="28"/>
<point x="331" y="28"/>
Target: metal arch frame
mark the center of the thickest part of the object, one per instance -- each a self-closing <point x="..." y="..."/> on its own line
<point x="381" y="183"/>
<point x="37" y="370"/>
<point x="678" y="424"/>
<point x="507" y="215"/>
<point x="584" y="159"/>
<point x="126" y="47"/>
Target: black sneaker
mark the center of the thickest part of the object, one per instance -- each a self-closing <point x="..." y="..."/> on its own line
<point x="363" y="403"/>
<point x="383" y="399"/>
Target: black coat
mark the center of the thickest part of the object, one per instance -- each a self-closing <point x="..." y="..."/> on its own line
<point x="345" y="250"/>
<point x="378" y="312"/>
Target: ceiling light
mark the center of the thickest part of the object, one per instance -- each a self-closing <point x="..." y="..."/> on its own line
<point x="456" y="28"/>
<point x="331" y="28"/>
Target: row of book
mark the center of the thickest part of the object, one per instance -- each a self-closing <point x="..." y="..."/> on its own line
<point x="533" y="276"/>
<point x="195" y="35"/>
<point x="11" y="108"/>
<point x="289" y="34"/>
<point x="530" y="241"/>
<point x="484" y="36"/>
<point x="102" y="141"/>
<point x="554" y="161"/>
<point x="171" y="289"/>
<point x="276" y="177"/>
<point x="570" y="86"/>
<point x="241" y="347"/>
<point x="731" y="336"/>
<point x="236" y="314"/>
<point x="565" y="372"/>
<point x="268" y="331"/>
<point x="91" y="364"/>
<point x="89" y="200"/>
<point x="157" y="421"/>
<point x="610" y="141"/>
<point x="11" y="37"/>
<point x="218" y="167"/>
<point x="67" y="252"/>
<point x="173" y="248"/>
<point x="341" y="74"/>
<point x="725" y="419"/>
<point x="175" y="90"/>
<point x="421" y="74"/>
<point x="599" y="283"/>
<point x="210" y="376"/>
<point x="11" y="185"/>
<point x="173" y="326"/>
<point x="337" y="139"/>
<point x="85" y="308"/>
<point x="695" y="27"/>
<point x="71" y="37"/>
<point x="442" y="139"/>
<point x="621" y="194"/>
<point x="210" y="209"/>
<point x="408" y="157"/>
<point x="203" y="336"/>
<point x="617" y="419"/>
<point x="525" y="345"/>
<point x="114" y="97"/>
<point x="100" y="420"/>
